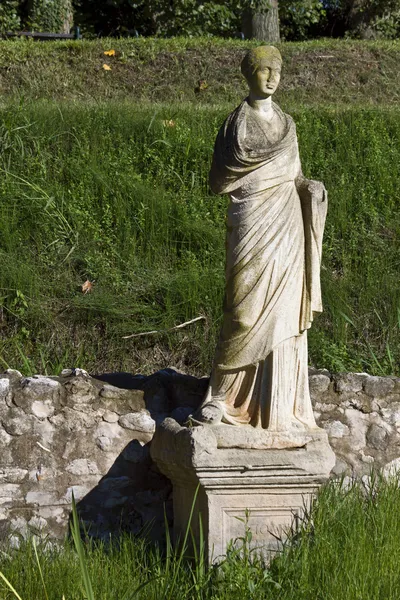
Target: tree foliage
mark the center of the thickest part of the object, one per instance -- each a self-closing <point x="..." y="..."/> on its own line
<point x="299" y="19"/>
<point x="192" y="17"/>
<point x="9" y="15"/>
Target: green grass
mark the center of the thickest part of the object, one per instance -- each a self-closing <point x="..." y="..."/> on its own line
<point x="333" y="72"/>
<point x="348" y="548"/>
<point x="112" y="194"/>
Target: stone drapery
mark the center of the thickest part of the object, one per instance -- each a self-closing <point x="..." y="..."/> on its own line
<point x="273" y="252"/>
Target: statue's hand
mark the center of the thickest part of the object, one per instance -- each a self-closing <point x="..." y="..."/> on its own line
<point x="308" y="188"/>
<point x="316" y="189"/>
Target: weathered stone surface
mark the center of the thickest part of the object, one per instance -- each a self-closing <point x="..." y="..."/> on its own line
<point x="377" y="437"/>
<point x="378" y="387"/>
<point x="45" y="456"/>
<point x="76" y="491"/>
<point x="82" y="466"/>
<point x="110" y="416"/>
<point x="337" y="429"/>
<point x="16" y="422"/>
<point x="262" y="488"/>
<point x="42" y="409"/>
<point x="4" y="388"/>
<point x="9" y="492"/>
<point x="392" y="468"/>
<point x="37" y="391"/>
<point x="138" y="422"/>
<point x="13" y="475"/>
<point x="319" y="383"/>
<point x="349" y="382"/>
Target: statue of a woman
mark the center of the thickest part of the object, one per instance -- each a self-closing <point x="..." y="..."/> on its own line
<point x="275" y="225"/>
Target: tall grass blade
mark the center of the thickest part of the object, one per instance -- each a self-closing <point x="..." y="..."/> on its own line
<point x="39" y="567"/>
<point x="76" y="536"/>
<point x="8" y="584"/>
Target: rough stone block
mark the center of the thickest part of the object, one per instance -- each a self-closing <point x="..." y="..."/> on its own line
<point x="378" y="387"/>
<point x="138" y="421"/>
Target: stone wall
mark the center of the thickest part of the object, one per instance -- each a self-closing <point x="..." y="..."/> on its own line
<point x="86" y="436"/>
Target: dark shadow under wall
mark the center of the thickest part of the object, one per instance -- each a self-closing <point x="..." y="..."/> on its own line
<point x="134" y="497"/>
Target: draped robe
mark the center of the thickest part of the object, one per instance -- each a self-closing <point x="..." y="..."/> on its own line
<point x="273" y="252"/>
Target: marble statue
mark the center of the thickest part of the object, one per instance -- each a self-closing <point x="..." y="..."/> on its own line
<point x="275" y="225"/>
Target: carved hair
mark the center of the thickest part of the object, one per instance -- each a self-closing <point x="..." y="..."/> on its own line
<point x="256" y="56"/>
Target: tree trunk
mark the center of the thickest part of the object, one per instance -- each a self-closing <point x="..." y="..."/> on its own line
<point x="53" y="16"/>
<point x="68" y="21"/>
<point x="262" y="26"/>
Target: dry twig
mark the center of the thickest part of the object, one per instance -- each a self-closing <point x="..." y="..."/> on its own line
<point x="127" y="337"/>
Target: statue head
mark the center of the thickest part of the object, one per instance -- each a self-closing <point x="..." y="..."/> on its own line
<point x="262" y="69"/>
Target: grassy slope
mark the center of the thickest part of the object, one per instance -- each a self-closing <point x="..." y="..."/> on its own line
<point x="333" y="72"/>
<point x="105" y="191"/>
<point x="109" y="193"/>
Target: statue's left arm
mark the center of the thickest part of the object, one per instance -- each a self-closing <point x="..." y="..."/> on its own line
<point x="314" y="205"/>
<point x="307" y="188"/>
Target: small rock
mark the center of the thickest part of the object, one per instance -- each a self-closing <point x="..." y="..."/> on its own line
<point x="319" y="384"/>
<point x="349" y="382"/>
<point x="378" y="387"/>
<point x="82" y="466"/>
<point x="322" y="407"/>
<point x="5" y="438"/>
<point x="12" y="475"/>
<point x="18" y="423"/>
<point x="67" y="372"/>
<point x="19" y="525"/>
<point x="104" y="443"/>
<point x="110" y="391"/>
<point x="336" y="429"/>
<point x="110" y="430"/>
<point x="358" y="423"/>
<point x="42" y="498"/>
<point x="138" y="421"/>
<point x="81" y="373"/>
<point x="37" y="523"/>
<point x="39" y="386"/>
<point x="79" y="491"/>
<point x="340" y="467"/>
<point x="42" y="409"/>
<point x="14" y="374"/>
<point x="80" y="391"/>
<point x="392" y="468"/>
<point x="110" y="416"/>
<point x="57" y="420"/>
<point x="366" y="458"/>
<point x="4" y="388"/>
<point x="9" y="492"/>
<point x="377" y="437"/>
<point x="14" y="541"/>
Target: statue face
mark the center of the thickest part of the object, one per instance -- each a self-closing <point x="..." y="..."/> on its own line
<point x="266" y="79"/>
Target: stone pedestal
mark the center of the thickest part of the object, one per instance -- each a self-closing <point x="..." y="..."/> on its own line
<point x="263" y="489"/>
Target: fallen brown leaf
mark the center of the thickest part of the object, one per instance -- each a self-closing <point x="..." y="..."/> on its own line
<point x="87" y="287"/>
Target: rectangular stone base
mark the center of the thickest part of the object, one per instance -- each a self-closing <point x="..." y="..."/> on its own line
<point x="238" y="489"/>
